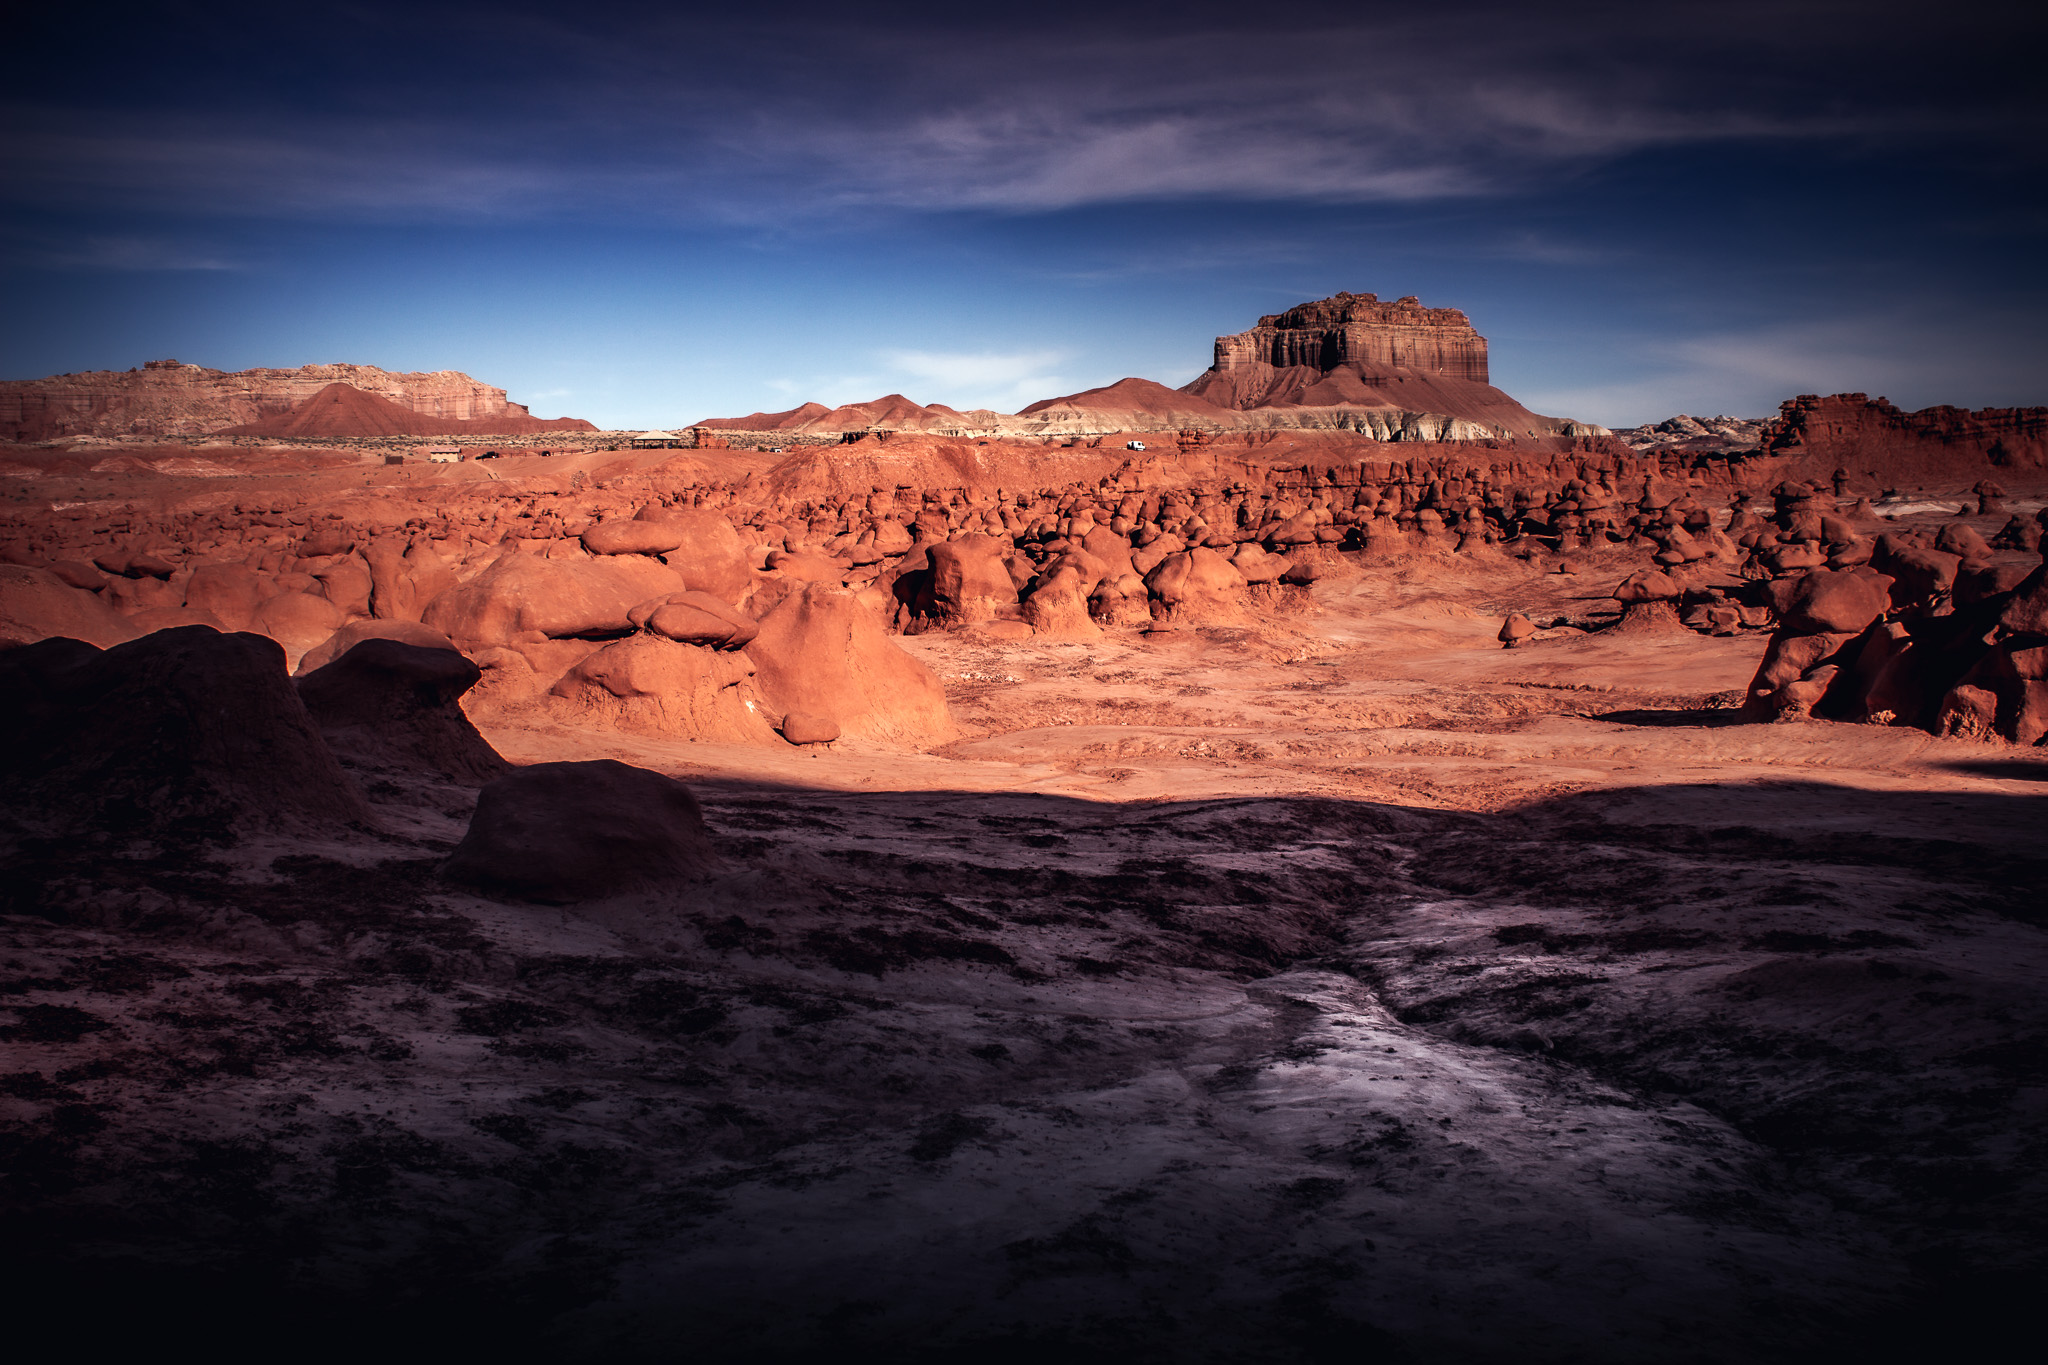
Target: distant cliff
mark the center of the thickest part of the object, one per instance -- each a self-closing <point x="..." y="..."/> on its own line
<point x="1871" y="438"/>
<point x="170" y="398"/>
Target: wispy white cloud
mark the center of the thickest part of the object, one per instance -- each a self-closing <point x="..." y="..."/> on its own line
<point x="1004" y="382"/>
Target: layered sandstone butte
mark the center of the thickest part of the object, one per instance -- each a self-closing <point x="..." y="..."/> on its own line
<point x="170" y="398"/>
<point x="1351" y="361"/>
<point x="1870" y="438"/>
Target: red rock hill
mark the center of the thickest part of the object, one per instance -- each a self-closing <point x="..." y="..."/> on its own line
<point x="342" y="410"/>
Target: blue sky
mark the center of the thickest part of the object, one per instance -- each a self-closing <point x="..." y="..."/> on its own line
<point x="648" y="214"/>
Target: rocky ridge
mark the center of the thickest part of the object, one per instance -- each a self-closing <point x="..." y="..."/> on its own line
<point x="1390" y="371"/>
<point x="171" y="398"/>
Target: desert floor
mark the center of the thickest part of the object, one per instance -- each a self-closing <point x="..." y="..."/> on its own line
<point x="1333" y="986"/>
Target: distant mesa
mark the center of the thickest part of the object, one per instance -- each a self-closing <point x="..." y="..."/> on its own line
<point x="1393" y="371"/>
<point x="167" y="398"/>
<point x="342" y="410"/>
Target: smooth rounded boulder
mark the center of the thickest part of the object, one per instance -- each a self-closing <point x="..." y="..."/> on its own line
<point x="708" y="554"/>
<point x="632" y="538"/>
<point x="560" y="833"/>
<point x="821" y="650"/>
<point x="523" y="594"/>
<point x="388" y="702"/>
<point x="651" y="685"/>
<point x="1196" y="587"/>
<point x="969" y="582"/>
<point x="696" y="618"/>
<point x="36" y="604"/>
<point x="1834" y="601"/>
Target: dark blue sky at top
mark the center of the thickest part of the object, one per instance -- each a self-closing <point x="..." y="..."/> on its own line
<point x="649" y="214"/>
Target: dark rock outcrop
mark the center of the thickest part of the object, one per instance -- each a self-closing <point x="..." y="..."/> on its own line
<point x="183" y="734"/>
<point x="566" y="832"/>
<point x="391" y="703"/>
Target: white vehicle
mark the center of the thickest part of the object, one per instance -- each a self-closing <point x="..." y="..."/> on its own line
<point x="1134" y="445"/>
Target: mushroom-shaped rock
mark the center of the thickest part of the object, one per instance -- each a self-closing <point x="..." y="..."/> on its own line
<point x="1515" y="629"/>
<point x="1833" y="601"/>
<point x="653" y="685"/>
<point x="36" y="604"/>
<point x="391" y="703"/>
<point x="969" y="581"/>
<point x="185" y="733"/>
<point x="1648" y="585"/>
<point x="821" y="650"/>
<point x="355" y="632"/>
<point x="566" y="832"/>
<point x="559" y="598"/>
<point x="1647" y="600"/>
<point x="300" y="621"/>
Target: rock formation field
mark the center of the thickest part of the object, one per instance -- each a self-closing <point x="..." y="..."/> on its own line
<point x="1275" y="895"/>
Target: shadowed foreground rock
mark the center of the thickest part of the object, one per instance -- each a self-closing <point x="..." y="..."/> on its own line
<point x="391" y="702"/>
<point x="565" y="832"/>
<point x="183" y="732"/>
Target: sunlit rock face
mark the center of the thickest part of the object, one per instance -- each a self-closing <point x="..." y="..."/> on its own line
<point x="168" y="397"/>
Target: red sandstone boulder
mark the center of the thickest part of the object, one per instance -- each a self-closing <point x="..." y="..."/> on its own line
<point x="651" y="685"/>
<point x="566" y="832"/>
<point x="969" y="580"/>
<point x="391" y="703"/>
<point x="696" y="618"/>
<point x="1058" y="607"/>
<point x="355" y="632"/>
<point x="300" y="621"/>
<point x="1196" y="587"/>
<point x="805" y="727"/>
<point x="2027" y="611"/>
<point x="822" y="652"/>
<point x="633" y="537"/>
<point x="709" y="556"/>
<point x="1647" y="585"/>
<point x="230" y="592"/>
<point x="35" y="604"/>
<point x="523" y="594"/>
<point x="1833" y="601"/>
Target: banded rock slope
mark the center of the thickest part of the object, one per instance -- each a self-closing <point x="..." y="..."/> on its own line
<point x="168" y="397"/>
